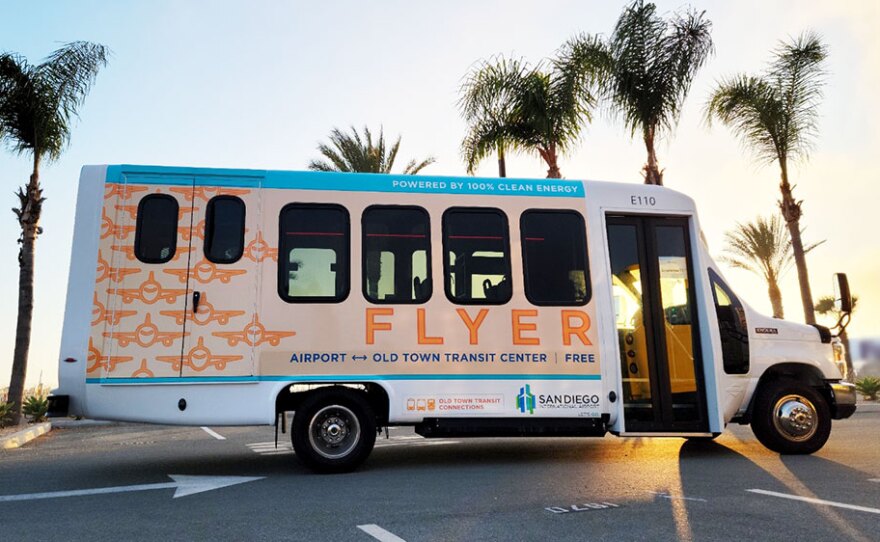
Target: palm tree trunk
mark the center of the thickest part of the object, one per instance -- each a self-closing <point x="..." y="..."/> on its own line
<point x="549" y="156"/>
<point x="502" y="166"/>
<point x="775" y="297"/>
<point x="791" y="212"/>
<point x="653" y="175"/>
<point x="28" y="218"/>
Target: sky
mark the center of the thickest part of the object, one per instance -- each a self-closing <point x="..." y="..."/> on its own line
<point x="259" y="84"/>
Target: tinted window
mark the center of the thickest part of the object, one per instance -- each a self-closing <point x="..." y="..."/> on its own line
<point x="476" y="257"/>
<point x="155" y="238"/>
<point x="731" y="327"/>
<point x="555" y="258"/>
<point x="224" y="229"/>
<point x="313" y="260"/>
<point x="396" y="255"/>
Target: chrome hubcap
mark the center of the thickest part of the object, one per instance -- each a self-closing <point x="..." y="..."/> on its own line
<point x="795" y="417"/>
<point x="334" y="431"/>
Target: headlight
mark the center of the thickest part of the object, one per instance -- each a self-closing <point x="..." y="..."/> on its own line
<point x="839" y="356"/>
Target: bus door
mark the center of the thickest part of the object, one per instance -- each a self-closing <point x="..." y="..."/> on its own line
<point x="656" y="320"/>
<point x="141" y="294"/>
<point x="222" y="325"/>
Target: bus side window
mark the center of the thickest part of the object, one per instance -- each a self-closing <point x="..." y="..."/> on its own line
<point x="314" y="252"/>
<point x="555" y="257"/>
<point x="155" y="237"/>
<point x="476" y="256"/>
<point x="731" y="326"/>
<point x="224" y="230"/>
<point x="396" y="254"/>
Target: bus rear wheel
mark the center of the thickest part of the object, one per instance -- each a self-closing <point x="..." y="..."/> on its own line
<point x="334" y="430"/>
<point x="791" y="417"/>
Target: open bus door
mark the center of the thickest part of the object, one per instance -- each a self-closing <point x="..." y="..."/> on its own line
<point x="658" y="334"/>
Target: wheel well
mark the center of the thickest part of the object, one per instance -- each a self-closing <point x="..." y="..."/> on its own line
<point x="290" y="397"/>
<point x="792" y="371"/>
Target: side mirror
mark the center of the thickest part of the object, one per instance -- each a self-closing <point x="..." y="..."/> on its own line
<point x="842" y="297"/>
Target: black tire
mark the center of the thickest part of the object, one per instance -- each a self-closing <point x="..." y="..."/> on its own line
<point x="791" y="417"/>
<point x="333" y="430"/>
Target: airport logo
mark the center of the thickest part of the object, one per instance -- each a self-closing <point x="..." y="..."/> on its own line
<point x="525" y="401"/>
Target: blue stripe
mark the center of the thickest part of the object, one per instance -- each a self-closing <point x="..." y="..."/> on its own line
<point x="332" y="378"/>
<point x="349" y="182"/>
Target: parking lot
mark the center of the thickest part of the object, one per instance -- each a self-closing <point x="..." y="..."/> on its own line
<point x="121" y="481"/>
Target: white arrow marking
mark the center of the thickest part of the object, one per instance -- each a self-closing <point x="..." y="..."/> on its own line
<point x="816" y="501"/>
<point x="213" y="433"/>
<point x="379" y="533"/>
<point x="184" y="485"/>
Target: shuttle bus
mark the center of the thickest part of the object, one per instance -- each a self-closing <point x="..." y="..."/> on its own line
<point x="458" y="306"/>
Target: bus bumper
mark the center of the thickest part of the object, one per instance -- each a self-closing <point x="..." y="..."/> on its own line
<point x="843" y="399"/>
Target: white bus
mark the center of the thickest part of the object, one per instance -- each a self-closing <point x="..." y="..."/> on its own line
<point x="459" y="306"/>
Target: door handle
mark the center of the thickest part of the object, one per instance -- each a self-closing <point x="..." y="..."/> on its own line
<point x="197" y="296"/>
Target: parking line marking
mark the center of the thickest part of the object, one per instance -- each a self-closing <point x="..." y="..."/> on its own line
<point x="816" y="501"/>
<point x="679" y="497"/>
<point x="213" y="433"/>
<point x="379" y="533"/>
<point x="874" y="479"/>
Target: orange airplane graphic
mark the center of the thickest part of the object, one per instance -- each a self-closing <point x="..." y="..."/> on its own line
<point x="101" y="314"/>
<point x="96" y="361"/>
<point x="204" y="316"/>
<point x="205" y="272"/>
<point x="259" y="250"/>
<point x="254" y="334"/>
<point x="199" y="358"/>
<point x="145" y="335"/>
<point x="150" y="292"/>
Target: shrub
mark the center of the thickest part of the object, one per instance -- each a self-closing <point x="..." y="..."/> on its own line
<point x="5" y="413"/>
<point x="35" y="407"/>
<point x="869" y="386"/>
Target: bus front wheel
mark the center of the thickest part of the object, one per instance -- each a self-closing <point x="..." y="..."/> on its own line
<point x="334" y="430"/>
<point x="791" y="417"/>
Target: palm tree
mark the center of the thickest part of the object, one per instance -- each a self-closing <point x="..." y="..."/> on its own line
<point x="776" y="115"/>
<point x="37" y="107"/>
<point x="350" y="153"/>
<point x="764" y="248"/>
<point x="486" y="105"/>
<point x="825" y="307"/>
<point x="648" y="65"/>
<point x="510" y="105"/>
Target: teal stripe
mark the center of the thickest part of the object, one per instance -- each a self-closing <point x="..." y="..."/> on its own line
<point x="331" y="378"/>
<point x="348" y="182"/>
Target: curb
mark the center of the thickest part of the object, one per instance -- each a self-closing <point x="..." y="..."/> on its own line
<point x="24" y="436"/>
<point x="867" y="407"/>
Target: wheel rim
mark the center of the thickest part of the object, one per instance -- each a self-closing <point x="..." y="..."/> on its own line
<point x="795" y="417"/>
<point x="334" y="431"/>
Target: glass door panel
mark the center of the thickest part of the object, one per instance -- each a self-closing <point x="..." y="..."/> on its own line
<point x="675" y="298"/>
<point x="629" y="316"/>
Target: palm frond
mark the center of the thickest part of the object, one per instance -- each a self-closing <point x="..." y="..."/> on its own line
<point x="751" y="107"/>
<point x="776" y="113"/>
<point x="654" y="64"/>
<point x="349" y="152"/>
<point x="762" y="246"/>
<point x="413" y="167"/>
<point x="484" y="138"/>
<point x="38" y="102"/>
<point x="798" y="75"/>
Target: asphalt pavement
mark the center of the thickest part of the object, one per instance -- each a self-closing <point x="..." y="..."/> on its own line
<point x="140" y="482"/>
